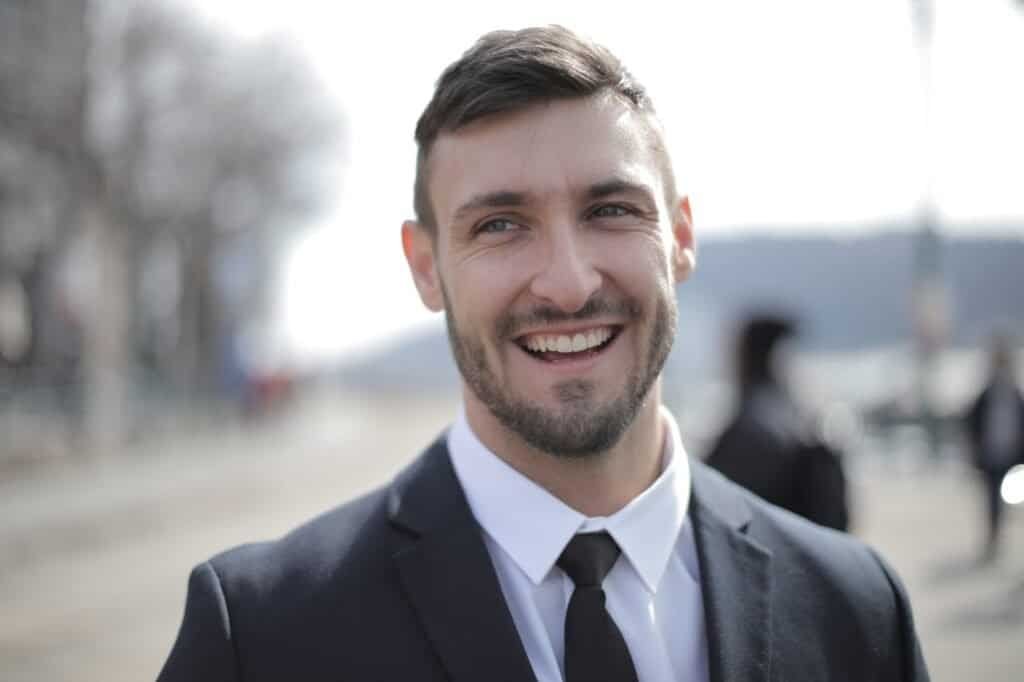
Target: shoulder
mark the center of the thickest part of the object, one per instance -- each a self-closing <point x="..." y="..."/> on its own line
<point x="345" y="550"/>
<point x="279" y="607"/>
<point x="348" y="537"/>
<point x="833" y="600"/>
<point x="247" y="605"/>
<point x="804" y="555"/>
<point x="978" y="404"/>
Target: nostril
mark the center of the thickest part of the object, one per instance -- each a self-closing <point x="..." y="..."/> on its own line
<point x="568" y="289"/>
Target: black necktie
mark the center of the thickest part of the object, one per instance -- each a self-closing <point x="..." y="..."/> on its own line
<point x="594" y="648"/>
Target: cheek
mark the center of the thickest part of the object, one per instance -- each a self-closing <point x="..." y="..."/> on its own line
<point x="479" y="295"/>
<point x="492" y="281"/>
<point x="640" y="263"/>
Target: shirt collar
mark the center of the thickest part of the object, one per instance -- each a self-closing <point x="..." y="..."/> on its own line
<point x="533" y="526"/>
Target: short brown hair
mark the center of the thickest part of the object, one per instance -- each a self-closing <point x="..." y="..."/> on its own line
<point x="506" y="71"/>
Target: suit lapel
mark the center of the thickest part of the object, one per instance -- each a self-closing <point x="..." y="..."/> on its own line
<point x="735" y="582"/>
<point x="448" y="576"/>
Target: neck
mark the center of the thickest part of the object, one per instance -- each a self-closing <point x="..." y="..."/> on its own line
<point x="595" y="485"/>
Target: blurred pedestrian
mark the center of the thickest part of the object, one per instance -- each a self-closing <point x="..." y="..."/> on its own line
<point x="770" y="446"/>
<point x="557" y="531"/>
<point x="995" y="431"/>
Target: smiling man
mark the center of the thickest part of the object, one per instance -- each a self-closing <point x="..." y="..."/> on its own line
<point x="553" y="244"/>
<point x="558" y="529"/>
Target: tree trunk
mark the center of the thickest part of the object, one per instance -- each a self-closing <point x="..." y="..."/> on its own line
<point x="106" y="347"/>
<point x="195" y="363"/>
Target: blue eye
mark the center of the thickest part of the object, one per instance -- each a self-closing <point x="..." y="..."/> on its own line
<point x="497" y="226"/>
<point x="610" y="211"/>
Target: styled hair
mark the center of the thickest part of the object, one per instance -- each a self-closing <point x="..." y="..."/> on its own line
<point x="506" y="71"/>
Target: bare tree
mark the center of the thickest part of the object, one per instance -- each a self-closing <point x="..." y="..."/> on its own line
<point x="214" y="143"/>
<point x="163" y="133"/>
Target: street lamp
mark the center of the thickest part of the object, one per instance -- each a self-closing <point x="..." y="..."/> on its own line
<point x="929" y="301"/>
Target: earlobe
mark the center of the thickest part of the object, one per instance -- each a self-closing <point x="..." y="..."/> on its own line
<point x="418" y="246"/>
<point x="684" y="245"/>
<point x="686" y="263"/>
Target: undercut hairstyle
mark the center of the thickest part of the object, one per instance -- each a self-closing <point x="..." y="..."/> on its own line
<point x="506" y="71"/>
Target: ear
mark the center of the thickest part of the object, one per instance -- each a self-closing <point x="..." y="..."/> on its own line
<point x="418" y="245"/>
<point x="684" y="245"/>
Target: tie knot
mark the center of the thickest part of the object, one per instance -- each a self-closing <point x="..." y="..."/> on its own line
<point x="588" y="557"/>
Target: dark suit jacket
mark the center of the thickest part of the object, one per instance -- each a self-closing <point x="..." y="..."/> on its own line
<point x="975" y="419"/>
<point x="398" y="585"/>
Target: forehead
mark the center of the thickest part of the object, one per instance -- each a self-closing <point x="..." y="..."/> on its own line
<point x="546" y="151"/>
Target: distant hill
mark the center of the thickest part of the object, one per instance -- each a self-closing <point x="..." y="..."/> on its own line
<point x="850" y="293"/>
<point x="856" y="293"/>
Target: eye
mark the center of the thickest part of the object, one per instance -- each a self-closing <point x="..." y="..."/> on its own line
<point x="611" y="211"/>
<point x="497" y="226"/>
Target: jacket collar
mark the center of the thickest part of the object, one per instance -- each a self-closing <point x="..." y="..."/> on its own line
<point x="451" y="583"/>
<point x="735" y="581"/>
<point x="448" y="575"/>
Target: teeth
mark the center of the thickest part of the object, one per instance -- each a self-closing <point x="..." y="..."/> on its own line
<point x="564" y="343"/>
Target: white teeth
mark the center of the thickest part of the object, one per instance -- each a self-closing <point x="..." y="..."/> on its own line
<point x="564" y="343"/>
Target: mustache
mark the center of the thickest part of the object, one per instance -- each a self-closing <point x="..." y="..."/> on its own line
<point x="509" y="325"/>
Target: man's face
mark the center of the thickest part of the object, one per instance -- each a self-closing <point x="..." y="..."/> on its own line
<point x="555" y="261"/>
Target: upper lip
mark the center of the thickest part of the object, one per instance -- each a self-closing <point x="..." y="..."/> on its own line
<point x="567" y="330"/>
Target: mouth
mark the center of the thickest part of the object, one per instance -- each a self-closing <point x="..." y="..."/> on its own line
<point x="564" y="347"/>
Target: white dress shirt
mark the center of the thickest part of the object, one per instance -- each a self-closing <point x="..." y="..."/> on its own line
<point x="653" y="591"/>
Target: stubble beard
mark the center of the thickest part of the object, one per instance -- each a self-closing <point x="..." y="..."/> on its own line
<point x="582" y="428"/>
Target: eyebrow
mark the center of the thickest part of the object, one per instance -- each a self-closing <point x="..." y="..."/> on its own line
<point x="509" y="198"/>
<point x="499" y="199"/>
<point x="617" y="186"/>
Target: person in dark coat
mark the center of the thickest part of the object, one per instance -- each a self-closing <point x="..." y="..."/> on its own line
<point x="995" y="431"/>
<point x="558" y="530"/>
<point x="769" y="446"/>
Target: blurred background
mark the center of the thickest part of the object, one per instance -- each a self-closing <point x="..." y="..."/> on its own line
<point x="206" y="324"/>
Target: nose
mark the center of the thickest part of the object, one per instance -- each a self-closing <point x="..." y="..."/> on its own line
<point x="568" y="275"/>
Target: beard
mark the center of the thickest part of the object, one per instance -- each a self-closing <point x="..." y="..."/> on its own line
<point x="580" y="428"/>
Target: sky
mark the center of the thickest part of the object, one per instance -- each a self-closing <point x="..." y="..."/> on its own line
<point x="793" y="115"/>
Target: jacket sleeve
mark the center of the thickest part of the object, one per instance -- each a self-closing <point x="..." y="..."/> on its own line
<point x="972" y="428"/>
<point x="204" y="649"/>
<point x="906" y="660"/>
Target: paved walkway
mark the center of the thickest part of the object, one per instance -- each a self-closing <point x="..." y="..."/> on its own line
<point x="94" y="557"/>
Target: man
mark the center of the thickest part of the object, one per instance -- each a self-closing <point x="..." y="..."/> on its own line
<point x="557" y="530"/>
<point x="995" y="431"/>
<point x="769" y="447"/>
